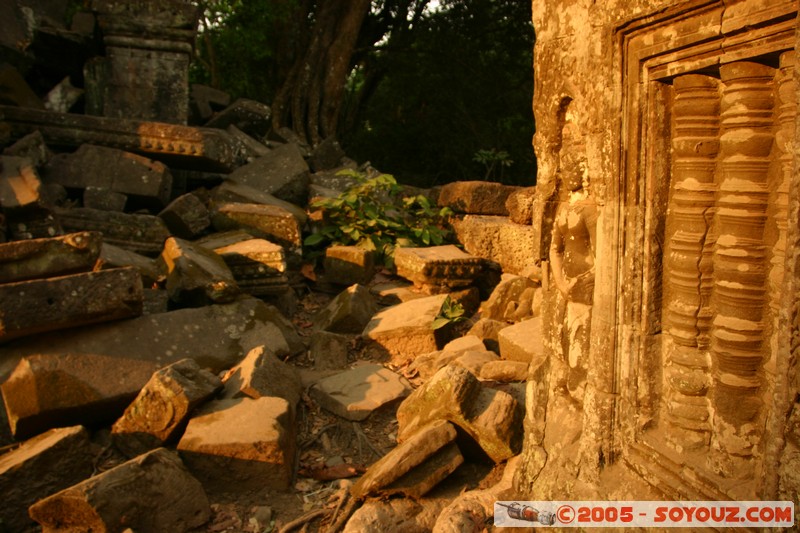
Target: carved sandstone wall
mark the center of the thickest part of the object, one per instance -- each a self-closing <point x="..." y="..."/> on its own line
<point x="688" y="112"/>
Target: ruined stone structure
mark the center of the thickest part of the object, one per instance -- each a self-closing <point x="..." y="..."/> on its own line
<point x="688" y="111"/>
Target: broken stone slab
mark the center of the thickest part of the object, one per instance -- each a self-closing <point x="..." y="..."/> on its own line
<point x="153" y="492"/>
<point x="504" y="371"/>
<point x="520" y="205"/>
<point x="155" y="301"/>
<point x="395" y="292"/>
<point x="491" y="417"/>
<point x="244" y="441"/>
<point x="115" y="257"/>
<point x="326" y="155"/>
<point x="476" y="197"/>
<point x="412" y="452"/>
<point x="104" y="199"/>
<point x="522" y="341"/>
<point x="261" y="374"/>
<point x="283" y="173"/>
<point x="404" y="331"/>
<point x="329" y="350"/>
<point x="349" y="312"/>
<point x="162" y="408"/>
<point x="216" y="336"/>
<point x="395" y="514"/>
<point x="426" y="365"/>
<point x="31" y="147"/>
<point x="205" y="100"/>
<point x="266" y="221"/>
<point x="19" y="185"/>
<point x="337" y="180"/>
<point x="258" y="266"/>
<point x="46" y="391"/>
<point x="27" y="473"/>
<point x="427" y="475"/>
<point x="438" y="269"/>
<point x="42" y="258"/>
<point x="186" y="216"/>
<point x="188" y="147"/>
<point x="196" y="275"/>
<point x="112" y="169"/>
<point x="253" y="147"/>
<point x="230" y="191"/>
<point x="355" y="393"/>
<point x="143" y="234"/>
<point x="249" y="116"/>
<point x="488" y="331"/>
<point x="511" y="245"/>
<point x="37" y="306"/>
<point x="348" y="265"/>
<point x="507" y="300"/>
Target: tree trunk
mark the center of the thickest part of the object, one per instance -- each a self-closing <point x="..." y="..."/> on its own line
<point x="311" y="96"/>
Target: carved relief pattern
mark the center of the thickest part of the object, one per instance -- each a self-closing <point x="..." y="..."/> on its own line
<point x="737" y="340"/>
<point x="689" y="270"/>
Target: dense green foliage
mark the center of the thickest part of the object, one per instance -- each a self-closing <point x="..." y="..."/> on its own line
<point x="375" y="215"/>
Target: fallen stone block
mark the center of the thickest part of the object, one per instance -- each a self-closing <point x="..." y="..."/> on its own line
<point x="31" y="147"/>
<point x="336" y="180"/>
<point x="36" y="306"/>
<point x="186" y="216"/>
<point x="153" y="492"/>
<point x="216" y="336"/>
<point x="425" y="443"/>
<point x="249" y="116"/>
<point x="426" y="365"/>
<point x="42" y="258"/>
<point x="104" y="199"/>
<point x="438" y="269"/>
<point x="520" y="205"/>
<point x="404" y="331"/>
<point x="395" y="514"/>
<point x="395" y="292"/>
<point x="349" y="312"/>
<point x="114" y="170"/>
<point x="488" y="331"/>
<point x="112" y="256"/>
<point x="476" y="197"/>
<point x="205" y="100"/>
<point x="46" y="391"/>
<point x="230" y="191"/>
<point x="511" y="245"/>
<point x="208" y="149"/>
<point x="262" y="374"/>
<point x="143" y="234"/>
<point x="27" y="473"/>
<point x="427" y="475"/>
<point x="491" y="417"/>
<point x="505" y="371"/>
<point x="162" y="409"/>
<point x="154" y="301"/>
<point x="247" y="442"/>
<point x="326" y="155"/>
<point x="355" y="393"/>
<point x="266" y="221"/>
<point x="19" y="185"/>
<point x="196" y="275"/>
<point x="283" y="173"/>
<point x="509" y="299"/>
<point x="348" y="265"/>
<point x="329" y="350"/>
<point x="252" y="147"/>
<point x="522" y="341"/>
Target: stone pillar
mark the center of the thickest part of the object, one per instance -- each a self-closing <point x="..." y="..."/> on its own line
<point x="145" y="74"/>
<point x="737" y="340"/>
<point x="689" y="272"/>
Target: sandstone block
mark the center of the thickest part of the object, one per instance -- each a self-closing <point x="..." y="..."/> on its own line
<point x="216" y="336"/>
<point x="398" y="514"/>
<point x="186" y="216"/>
<point x="27" y="473"/>
<point x="488" y="330"/>
<point x="348" y="312"/>
<point x="476" y="197"/>
<point x="438" y="268"/>
<point x="41" y="258"/>
<point x="112" y="256"/>
<point x="511" y="245"/>
<point x="138" y="233"/>
<point x="163" y="406"/>
<point x="427" y="475"/>
<point x="31" y="147"/>
<point x="46" y="391"/>
<point x="36" y="306"/>
<point x="261" y="374"/>
<point x="505" y="371"/>
<point x="348" y="265"/>
<point x="196" y="275"/>
<point x="115" y="170"/>
<point x="246" y="441"/>
<point x="395" y="292"/>
<point x="257" y="265"/>
<point x="231" y="191"/>
<point x="19" y="185"/>
<point x="506" y="301"/>
<point x="104" y="199"/>
<point x="355" y="393"/>
<point x="522" y="341"/>
<point x="520" y="205"/>
<point x="248" y="115"/>
<point x="266" y="221"/>
<point x="411" y="453"/>
<point x="404" y="331"/>
<point x="329" y="350"/>
<point x="205" y="100"/>
<point x="153" y="492"/>
<point x="283" y="173"/>
<point x="491" y="417"/>
<point x="326" y="155"/>
<point x="252" y="147"/>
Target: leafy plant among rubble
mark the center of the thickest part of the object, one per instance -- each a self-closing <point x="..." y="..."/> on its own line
<point x="450" y="312"/>
<point x="374" y="214"/>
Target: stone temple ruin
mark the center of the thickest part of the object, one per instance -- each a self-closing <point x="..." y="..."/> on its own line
<point x="633" y="317"/>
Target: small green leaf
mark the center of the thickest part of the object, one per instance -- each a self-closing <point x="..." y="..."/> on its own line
<point x="440" y="322"/>
<point x="314" y="239"/>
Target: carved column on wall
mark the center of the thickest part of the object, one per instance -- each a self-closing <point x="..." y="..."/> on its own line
<point x="737" y="343"/>
<point x="695" y="145"/>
